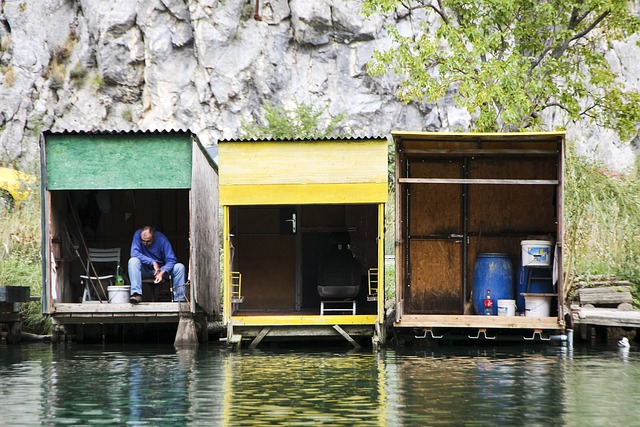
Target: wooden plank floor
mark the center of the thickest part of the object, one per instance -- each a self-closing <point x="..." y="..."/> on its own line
<point x="475" y="321"/>
<point x="145" y="312"/>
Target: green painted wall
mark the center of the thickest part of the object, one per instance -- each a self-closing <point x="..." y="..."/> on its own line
<point x="126" y="161"/>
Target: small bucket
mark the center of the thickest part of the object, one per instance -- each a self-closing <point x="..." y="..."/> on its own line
<point x="537" y="306"/>
<point x="536" y="253"/>
<point x="118" y="294"/>
<point x="181" y="293"/>
<point x="506" y="307"/>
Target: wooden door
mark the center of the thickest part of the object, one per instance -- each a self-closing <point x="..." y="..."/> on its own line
<point x="265" y="252"/>
<point x="433" y="274"/>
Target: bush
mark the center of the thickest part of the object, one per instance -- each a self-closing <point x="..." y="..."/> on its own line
<point x="20" y="258"/>
<point x="302" y="122"/>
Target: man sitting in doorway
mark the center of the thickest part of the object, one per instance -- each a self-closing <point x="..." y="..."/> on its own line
<point x="152" y="256"/>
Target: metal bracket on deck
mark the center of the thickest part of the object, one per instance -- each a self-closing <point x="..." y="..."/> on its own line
<point x="483" y="332"/>
<point x="537" y="332"/>
<point x="428" y="331"/>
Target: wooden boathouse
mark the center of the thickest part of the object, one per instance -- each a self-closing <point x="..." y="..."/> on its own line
<point x="98" y="188"/>
<point x="461" y="200"/>
<point x="303" y="249"/>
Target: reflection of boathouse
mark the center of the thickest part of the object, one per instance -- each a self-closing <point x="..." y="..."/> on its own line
<point x="465" y="203"/>
<point x="97" y="189"/>
<point x="303" y="238"/>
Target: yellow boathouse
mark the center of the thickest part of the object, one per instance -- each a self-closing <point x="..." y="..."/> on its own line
<point x="303" y="238"/>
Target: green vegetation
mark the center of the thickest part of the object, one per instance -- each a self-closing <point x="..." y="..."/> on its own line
<point x="20" y="258"/>
<point x="302" y="122"/>
<point x="127" y="114"/>
<point x="602" y="223"/>
<point x="78" y="75"/>
<point x="508" y="61"/>
<point x="389" y="282"/>
<point x="97" y="82"/>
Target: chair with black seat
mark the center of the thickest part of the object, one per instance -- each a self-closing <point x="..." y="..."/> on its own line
<point x="339" y="277"/>
<point x="95" y="283"/>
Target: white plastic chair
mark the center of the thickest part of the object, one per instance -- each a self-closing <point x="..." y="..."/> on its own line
<point x="91" y="279"/>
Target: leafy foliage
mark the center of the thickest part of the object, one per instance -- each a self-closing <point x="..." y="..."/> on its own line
<point x="302" y="122"/>
<point x="507" y="61"/>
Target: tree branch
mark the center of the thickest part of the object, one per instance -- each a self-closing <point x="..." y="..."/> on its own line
<point x="440" y="11"/>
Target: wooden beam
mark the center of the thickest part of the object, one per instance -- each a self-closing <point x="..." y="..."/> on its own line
<point x="605" y="295"/>
<point x="607" y="317"/>
<point x="263" y="333"/>
<point x="476" y="321"/>
<point x="346" y="336"/>
<point x="479" y="151"/>
<point x="478" y="181"/>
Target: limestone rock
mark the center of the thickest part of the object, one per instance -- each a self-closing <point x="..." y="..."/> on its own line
<point x="207" y="65"/>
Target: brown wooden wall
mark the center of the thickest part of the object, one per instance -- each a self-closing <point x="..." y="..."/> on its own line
<point x="498" y="218"/>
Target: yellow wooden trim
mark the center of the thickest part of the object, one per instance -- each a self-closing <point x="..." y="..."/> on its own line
<point x="292" y="162"/>
<point x="226" y="263"/>
<point x="372" y="280"/>
<point x="236" y="287"/>
<point x="381" y="266"/>
<point x="298" y="320"/>
<point x="303" y="194"/>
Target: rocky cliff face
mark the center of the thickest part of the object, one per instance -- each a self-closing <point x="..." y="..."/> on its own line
<point x="206" y="65"/>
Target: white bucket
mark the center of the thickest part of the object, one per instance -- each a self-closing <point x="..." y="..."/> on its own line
<point x="536" y="253"/>
<point x="118" y="294"/>
<point x="506" y="307"/>
<point x="537" y="306"/>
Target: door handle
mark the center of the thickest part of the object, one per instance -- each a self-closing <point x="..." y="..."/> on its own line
<point x="293" y="222"/>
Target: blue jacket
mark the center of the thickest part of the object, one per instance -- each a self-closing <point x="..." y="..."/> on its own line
<point x="160" y="251"/>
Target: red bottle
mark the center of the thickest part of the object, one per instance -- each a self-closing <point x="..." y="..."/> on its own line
<point x="488" y="304"/>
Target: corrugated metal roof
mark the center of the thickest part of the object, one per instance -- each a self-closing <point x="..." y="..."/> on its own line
<point x="337" y="138"/>
<point x="116" y="131"/>
<point x="476" y="136"/>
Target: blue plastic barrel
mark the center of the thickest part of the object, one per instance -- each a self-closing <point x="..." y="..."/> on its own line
<point x="492" y="271"/>
<point x="540" y="283"/>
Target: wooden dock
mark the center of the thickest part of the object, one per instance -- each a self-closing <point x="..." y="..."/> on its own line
<point x="145" y="312"/>
<point x="603" y="307"/>
<point x="10" y="299"/>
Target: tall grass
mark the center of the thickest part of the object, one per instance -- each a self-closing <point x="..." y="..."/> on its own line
<point x="602" y="222"/>
<point x="20" y="258"/>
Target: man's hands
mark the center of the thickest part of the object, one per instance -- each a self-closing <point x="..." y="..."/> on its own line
<point x="158" y="273"/>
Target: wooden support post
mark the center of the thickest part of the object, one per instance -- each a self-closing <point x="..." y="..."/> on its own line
<point x="346" y="336"/>
<point x="263" y="333"/>
<point x="187" y="334"/>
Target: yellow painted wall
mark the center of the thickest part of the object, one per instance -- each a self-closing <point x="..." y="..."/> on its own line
<point x="298" y="172"/>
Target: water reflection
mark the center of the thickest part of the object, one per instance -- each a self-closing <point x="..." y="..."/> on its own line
<point x="546" y="386"/>
<point x="479" y="388"/>
<point x="310" y="388"/>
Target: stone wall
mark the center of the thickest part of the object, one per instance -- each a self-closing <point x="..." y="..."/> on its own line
<point x="207" y="65"/>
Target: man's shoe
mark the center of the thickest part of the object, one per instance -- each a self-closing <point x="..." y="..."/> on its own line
<point x="135" y="298"/>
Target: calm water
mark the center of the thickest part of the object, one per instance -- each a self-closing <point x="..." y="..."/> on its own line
<point x="213" y="385"/>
